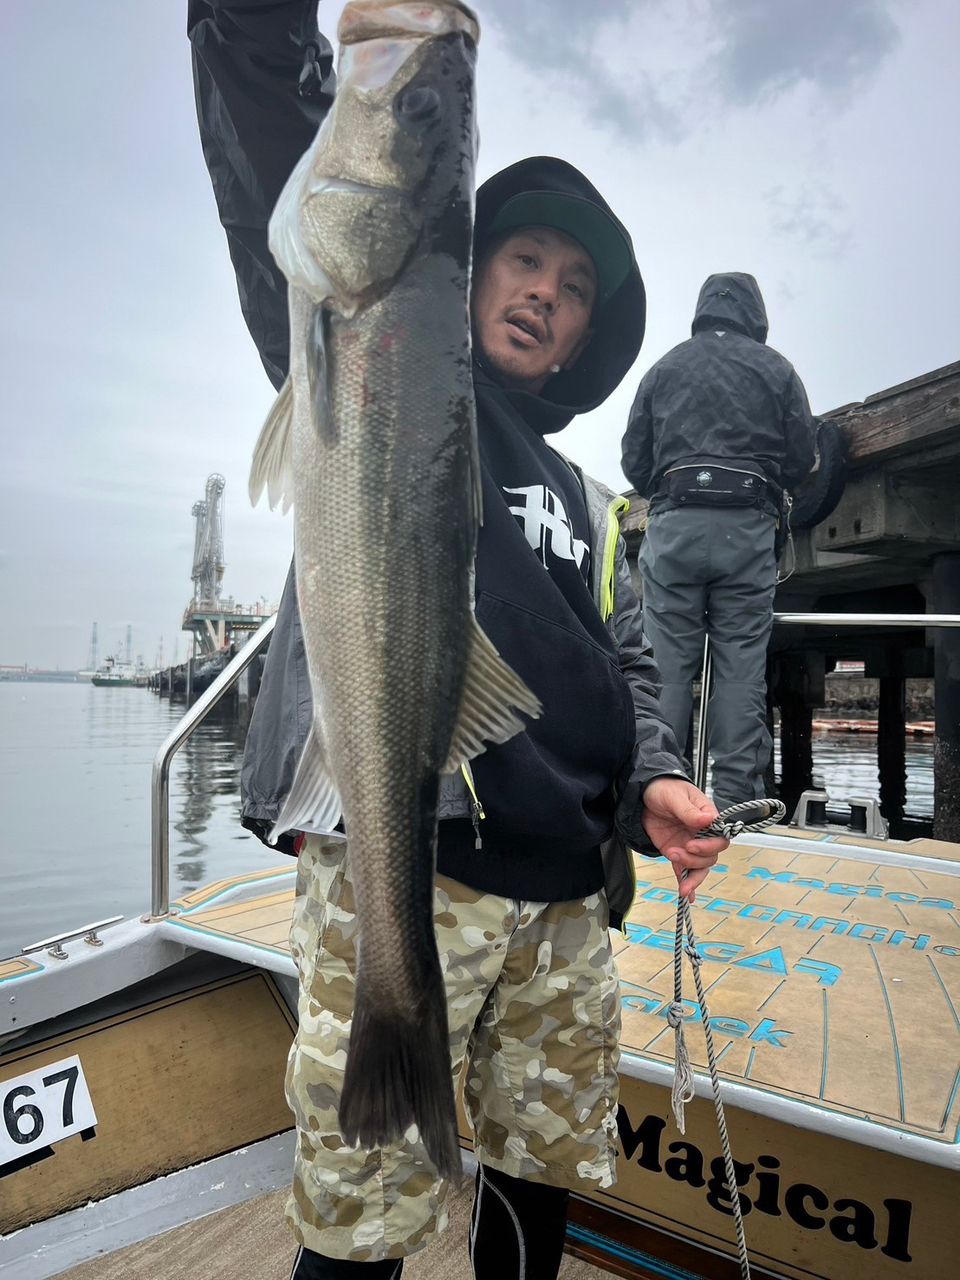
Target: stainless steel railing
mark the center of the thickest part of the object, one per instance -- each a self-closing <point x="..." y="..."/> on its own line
<point x="836" y="620"/>
<point x="866" y="619"/>
<point x="160" y="790"/>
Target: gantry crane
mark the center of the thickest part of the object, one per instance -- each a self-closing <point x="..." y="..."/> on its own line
<point x="213" y="620"/>
<point x="208" y="563"/>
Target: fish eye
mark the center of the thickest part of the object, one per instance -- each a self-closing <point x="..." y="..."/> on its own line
<point x="414" y="105"/>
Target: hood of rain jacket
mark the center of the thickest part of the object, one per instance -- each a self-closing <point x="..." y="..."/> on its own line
<point x="722" y="398"/>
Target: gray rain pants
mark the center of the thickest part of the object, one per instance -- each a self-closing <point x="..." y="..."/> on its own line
<point x="712" y="569"/>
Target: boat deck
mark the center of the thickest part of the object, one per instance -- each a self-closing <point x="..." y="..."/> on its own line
<point x="253" y="909"/>
<point x="832" y="966"/>
<point x="828" y="960"/>
<point x="251" y="1242"/>
<point x="826" y="976"/>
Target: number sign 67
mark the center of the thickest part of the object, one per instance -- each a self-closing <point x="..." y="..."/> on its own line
<point x="42" y="1107"/>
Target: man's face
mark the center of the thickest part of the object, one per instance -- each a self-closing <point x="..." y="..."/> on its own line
<point x="532" y="300"/>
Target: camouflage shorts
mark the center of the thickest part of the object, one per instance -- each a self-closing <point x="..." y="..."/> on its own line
<point x="534" y="1015"/>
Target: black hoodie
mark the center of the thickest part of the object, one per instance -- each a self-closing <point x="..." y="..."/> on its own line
<point x="547" y="793"/>
<point x="723" y="397"/>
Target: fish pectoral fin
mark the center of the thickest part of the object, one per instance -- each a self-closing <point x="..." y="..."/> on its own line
<point x="493" y="694"/>
<point x="317" y="375"/>
<point x="313" y="803"/>
<point x="272" y="467"/>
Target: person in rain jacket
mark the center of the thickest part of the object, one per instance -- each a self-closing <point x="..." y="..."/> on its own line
<point x="719" y="427"/>
<point x="533" y="847"/>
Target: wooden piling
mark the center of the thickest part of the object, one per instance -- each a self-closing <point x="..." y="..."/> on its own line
<point x="946" y="651"/>
<point x="891" y="745"/>
<point x="798" y="688"/>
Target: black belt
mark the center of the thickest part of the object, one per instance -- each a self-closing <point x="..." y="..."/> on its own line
<point x="709" y="485"/>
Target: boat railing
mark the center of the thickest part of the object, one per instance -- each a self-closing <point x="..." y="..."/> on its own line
<point x="228" y="677"/>
<point x="834" y="620"/>
<point x="160" y="790"/>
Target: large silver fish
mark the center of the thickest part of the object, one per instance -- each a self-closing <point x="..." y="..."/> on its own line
<point x="373" y="438"/>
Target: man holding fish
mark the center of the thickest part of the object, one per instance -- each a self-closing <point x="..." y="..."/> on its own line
<point x="458" y="727"/>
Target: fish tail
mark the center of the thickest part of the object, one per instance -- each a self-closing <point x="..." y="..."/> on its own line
<point x="398" y="1073"/>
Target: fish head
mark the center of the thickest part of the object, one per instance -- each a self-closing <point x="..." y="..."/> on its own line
<point x="390" y="174"/>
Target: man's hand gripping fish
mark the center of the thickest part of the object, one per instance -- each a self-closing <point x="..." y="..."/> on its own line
<point x="373" y="438"/>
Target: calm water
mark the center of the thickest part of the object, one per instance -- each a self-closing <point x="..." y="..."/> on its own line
<point x="845" y="764"/>
<point x="75" y="767"/>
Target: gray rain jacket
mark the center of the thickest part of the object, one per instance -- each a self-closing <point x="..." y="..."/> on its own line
<point x="722" y="398"/>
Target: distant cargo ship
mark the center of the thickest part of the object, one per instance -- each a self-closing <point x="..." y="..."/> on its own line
<point x="114" y="673"/>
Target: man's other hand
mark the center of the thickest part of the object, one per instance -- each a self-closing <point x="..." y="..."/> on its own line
<point x="674" y="811"/>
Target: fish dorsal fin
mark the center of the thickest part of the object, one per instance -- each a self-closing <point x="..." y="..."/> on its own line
<point x="313" y="802"/>
<point x="493" y="695"/>
<point x="272" y="467"/>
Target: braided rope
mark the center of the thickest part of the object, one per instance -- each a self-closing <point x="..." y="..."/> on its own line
<point x="763" y="813"/>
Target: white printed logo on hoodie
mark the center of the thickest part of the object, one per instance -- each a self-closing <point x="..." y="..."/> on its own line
<point x="545" y="525"/>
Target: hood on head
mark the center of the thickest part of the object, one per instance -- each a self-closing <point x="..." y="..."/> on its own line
<point x="731" y="300"/>
<point x="618" y="322"/>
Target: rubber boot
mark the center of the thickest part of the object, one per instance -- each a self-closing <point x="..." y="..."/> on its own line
<point x="314" y="1266"/>
<point x="517" y="1229"/>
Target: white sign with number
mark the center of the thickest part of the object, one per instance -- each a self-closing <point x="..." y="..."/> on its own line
<point x="42" y="1107"/>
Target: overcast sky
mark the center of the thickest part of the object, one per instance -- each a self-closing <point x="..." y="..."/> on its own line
<point x="809" y="142"/>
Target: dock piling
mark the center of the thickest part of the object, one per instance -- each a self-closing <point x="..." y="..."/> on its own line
<point x="891" y="742"/>
<point x="946" y="657"/>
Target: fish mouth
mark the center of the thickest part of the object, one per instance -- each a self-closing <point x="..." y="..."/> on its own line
<point x="379" y="19"/>
<point x="348" y="186"/>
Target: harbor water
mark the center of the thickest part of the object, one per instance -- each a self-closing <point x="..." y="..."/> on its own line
<point x="75" y="765"/>
<point x="75" y="771"/>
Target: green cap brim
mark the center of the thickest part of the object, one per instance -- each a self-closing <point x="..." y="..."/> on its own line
<point x="585" y="222"/>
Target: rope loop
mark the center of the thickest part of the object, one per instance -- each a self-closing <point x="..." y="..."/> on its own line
<point x="752" y="815"/>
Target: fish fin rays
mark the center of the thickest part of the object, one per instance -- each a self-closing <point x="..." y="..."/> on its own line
<point x="313" y="802"/>
<point x="493" y="695"/>
<point x="272" y="467"/>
